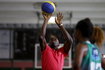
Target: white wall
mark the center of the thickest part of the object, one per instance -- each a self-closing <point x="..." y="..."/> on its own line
<point x="22" y="11"/>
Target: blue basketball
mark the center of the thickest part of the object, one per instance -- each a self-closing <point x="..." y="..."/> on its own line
<point x="48" y="7"/>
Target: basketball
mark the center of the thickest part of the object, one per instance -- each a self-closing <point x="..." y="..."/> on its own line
<point x="48" y="7"/>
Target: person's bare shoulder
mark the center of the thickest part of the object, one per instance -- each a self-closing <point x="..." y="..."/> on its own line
<point x="82" y="47"/>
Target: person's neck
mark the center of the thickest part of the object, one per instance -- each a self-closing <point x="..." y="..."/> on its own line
<point x="53" y="47"/>
<point x="84" y="39"/>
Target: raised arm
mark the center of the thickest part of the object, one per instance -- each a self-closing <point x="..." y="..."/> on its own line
<point x="42" y="39"/>
<point x="67" y="36"/>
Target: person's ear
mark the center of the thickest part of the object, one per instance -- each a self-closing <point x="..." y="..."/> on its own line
<point x="79" y="34"/>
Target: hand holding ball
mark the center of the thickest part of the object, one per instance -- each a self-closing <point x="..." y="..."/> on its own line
<point x="48" y="7"/>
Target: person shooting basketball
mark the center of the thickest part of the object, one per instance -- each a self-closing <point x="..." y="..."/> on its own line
<point x="52" y="57"/>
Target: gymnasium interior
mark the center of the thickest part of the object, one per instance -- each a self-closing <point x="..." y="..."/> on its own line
<point x="21" y="22"/>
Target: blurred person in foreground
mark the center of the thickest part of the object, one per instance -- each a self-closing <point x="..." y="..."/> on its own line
<point x="86" y="56"/>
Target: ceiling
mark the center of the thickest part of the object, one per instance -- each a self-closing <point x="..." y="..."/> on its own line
<point x="26" y="11"/>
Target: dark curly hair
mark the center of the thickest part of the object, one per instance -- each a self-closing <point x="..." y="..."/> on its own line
<point x="85" y="26"/>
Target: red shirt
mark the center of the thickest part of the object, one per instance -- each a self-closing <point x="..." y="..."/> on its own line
<point x="53" y="59"/>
